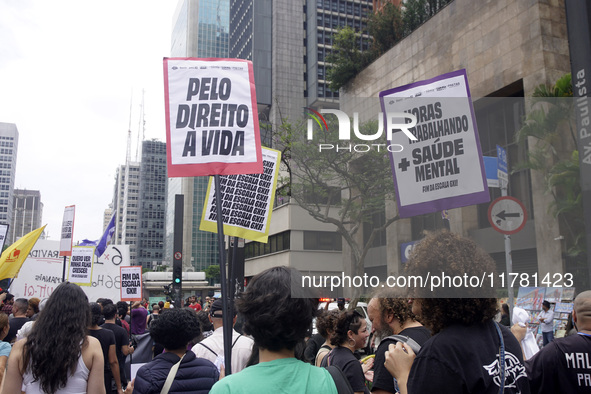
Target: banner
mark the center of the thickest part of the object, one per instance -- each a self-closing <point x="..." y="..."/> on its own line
<point x="3" y="233"/>
<point x="211" y="117"/>
<point x="80" y="269"/>
<point x="15" y="255"/>
<point x="41" y="272"/>
<point x="131" y="283"/>
<point x="67" y="231"/>
<point x="442" y="168"/>
<point x="247" y="201"/>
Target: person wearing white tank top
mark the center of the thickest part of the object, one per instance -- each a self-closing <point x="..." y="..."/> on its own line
<point x="48" y="361"/>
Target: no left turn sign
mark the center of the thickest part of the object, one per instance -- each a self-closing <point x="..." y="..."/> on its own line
<point x="507" y="215"/>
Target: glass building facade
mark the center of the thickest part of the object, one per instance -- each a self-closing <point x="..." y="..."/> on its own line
<point x="28" y="212"/>
<point x="8" y="150"/>
<point x="152" y="204"/>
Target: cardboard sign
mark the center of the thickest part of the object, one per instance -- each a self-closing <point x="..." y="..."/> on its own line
<point x="247" y="201"/>
<point x="131" y="283"/>
<point x="80" y="268"/>
<point x="67" y="231"/>
<point x="211" y="117"/>
<point x="442" y="168"/>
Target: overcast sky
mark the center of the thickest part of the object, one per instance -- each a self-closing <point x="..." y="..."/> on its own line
<point x="68" y="72"/>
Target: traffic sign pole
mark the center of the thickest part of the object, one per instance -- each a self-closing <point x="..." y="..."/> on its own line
<point x="508" y="259"/>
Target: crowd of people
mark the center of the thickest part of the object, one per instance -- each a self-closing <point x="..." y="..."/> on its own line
<point x="410" y="342"/>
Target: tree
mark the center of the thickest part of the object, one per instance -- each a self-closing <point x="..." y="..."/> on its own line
<point x="346" y="58"/>
<point x="556" y="157"/>
<point x="386" y="29"/>
<point x="341" y="187"/>
<point x="212" y="273"/>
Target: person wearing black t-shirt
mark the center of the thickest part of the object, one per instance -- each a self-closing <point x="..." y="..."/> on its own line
<point x="107" y="340"/>
<point x="391" y="315"/>
<point x="350" y="334"/>
<point x="122" y="347"/>
<point x="563" y="366"/>
<point x="19" y="310"/>
<point x="465" y="353"/>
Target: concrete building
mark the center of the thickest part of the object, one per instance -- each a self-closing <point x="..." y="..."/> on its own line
<point x="323" y="19"/>
<point x="126" y="206"/>
<point x="507" y="48"/>
<point x="8" y="151"/>
<point x="27" y="212"/>
<point x="200" y="29"/>
<point x="152" y="204"/>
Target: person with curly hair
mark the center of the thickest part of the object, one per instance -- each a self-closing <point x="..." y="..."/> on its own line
<point x="465" y="354"/>
<point x="58" y="356"/>
<point x="278" y="315"/>
<point x="350" y="334"/>
<point x="173" y="330"/>
<point x="391" y="314"/>
<point x="325" y="323"/>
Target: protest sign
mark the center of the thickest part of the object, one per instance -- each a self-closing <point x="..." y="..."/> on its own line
<point x="131" y="283"/>
<point x="247" y="201"/>
<point x="211" y="117"/>
<point x="3" y="233"/>
<point x="41" y="272"/>
<point x="67" y="231"/>
<point x="80" y="269"/>
<point x="442" y="168"/>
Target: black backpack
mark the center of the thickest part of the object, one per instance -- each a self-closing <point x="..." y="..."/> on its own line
<point x="340" y="380"/>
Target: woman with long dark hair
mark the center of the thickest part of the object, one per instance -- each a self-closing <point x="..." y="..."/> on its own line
<point x="58" y="356"/>
<point x="350" y="334"/>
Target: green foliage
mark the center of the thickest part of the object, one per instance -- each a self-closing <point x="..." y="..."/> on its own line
<point x="386" y="27"/>
<point x="552" y="117"/>
<point x="346" y="58"/>
<point x="212" y="272"/>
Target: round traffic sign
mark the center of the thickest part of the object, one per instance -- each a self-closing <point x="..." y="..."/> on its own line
<point x="507" y="215"/>
<point x="178" y="255"/>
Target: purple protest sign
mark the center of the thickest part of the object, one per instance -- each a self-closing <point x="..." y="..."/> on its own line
<point x="442" y="167"/>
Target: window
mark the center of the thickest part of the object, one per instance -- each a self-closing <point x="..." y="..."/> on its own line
<point x="276" y="243"/>
<point x="322" y="240"/>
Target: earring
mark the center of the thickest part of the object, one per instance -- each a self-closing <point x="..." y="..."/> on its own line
<point x="352" y="344"/>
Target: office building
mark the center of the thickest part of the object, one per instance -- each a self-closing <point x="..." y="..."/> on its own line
<point x="152" y="204"/>
<point x="323" y="19"/>
<point x="8" y="151"/>
<point x="27" y="213"/>
<point x="126" y="207"/>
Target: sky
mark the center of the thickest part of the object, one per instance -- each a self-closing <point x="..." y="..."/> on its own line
<point x="72" y="73"/>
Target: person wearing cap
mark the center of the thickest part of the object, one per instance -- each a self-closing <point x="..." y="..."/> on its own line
<point x="212" y="347"/>
<point x="546" y="318"/>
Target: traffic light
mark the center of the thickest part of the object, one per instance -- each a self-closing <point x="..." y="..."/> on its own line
<point x="177" y="273"/>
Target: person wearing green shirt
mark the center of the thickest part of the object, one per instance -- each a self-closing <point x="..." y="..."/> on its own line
<point x="277" y="320"/>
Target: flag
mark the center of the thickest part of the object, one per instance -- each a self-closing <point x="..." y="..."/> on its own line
<point x="106" y="238"/>
<point x="15" y="255"/>
<point x="87" y="242"/>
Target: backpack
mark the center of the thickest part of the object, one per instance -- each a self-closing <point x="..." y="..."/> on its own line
<point x="404" y="339"/>
<point x="340" y="380"/>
